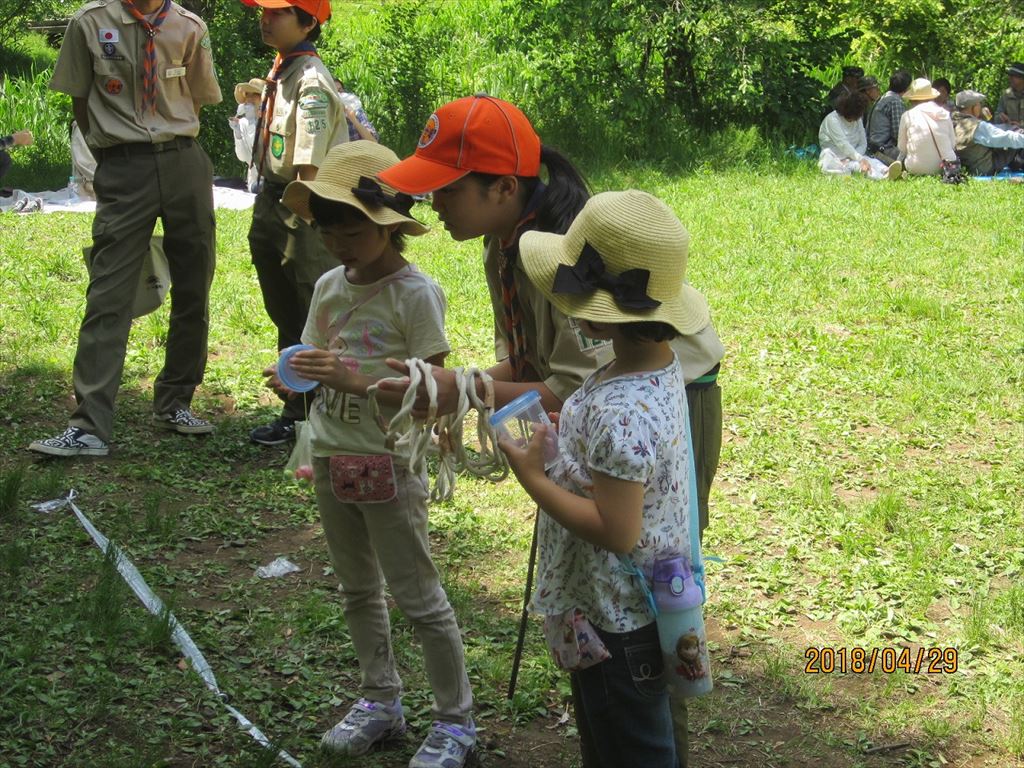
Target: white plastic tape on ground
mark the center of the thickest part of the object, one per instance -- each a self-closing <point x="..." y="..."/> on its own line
<point x="155" y="606"/>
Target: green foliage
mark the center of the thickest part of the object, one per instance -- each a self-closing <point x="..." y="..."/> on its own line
<point x="28" y="104"/>
<point x="606" y="80"/>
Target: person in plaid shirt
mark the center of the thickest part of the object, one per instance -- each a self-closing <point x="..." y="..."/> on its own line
<point x="884" y="125"/>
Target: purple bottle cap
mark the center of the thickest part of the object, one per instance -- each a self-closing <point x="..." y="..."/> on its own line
<point x="674" y="587"/>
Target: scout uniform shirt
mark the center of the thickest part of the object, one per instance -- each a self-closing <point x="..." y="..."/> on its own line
<point x="1012" y="103"/>
<point x="102" y="58"/>
<point x="556" y="348"/>
<point x="308" y="120"/>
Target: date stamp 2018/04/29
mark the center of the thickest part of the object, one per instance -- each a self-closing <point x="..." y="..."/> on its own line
<point x="827" y="659"/>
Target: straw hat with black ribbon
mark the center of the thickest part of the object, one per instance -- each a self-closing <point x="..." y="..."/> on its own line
<point x="347" y="176"/>
<point x="622" y="260"/>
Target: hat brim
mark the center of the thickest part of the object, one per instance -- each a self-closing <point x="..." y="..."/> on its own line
<point x="244" y="89"/>
<point x="541" y="253"/>
<point x="296" y="199"/>
<point x="283" y="4"/>
<point x="418" y="176"/>
<point x="924" y="96"/>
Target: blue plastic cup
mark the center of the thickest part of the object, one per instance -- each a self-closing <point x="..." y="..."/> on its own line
<point x="289" y="377"/>
<point x="518" y="420"/>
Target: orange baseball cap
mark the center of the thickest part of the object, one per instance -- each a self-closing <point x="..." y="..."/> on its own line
<point x="318" y="9"/>
<point x="478" y="134"/>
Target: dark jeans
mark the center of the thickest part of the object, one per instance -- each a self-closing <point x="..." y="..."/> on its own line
<point x="622" y="705"/>
<point x="5" y="163"/>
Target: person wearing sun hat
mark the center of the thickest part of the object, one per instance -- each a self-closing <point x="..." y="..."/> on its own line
<point x="373" y="306"/>
<point x="621" y="484"/>
<point x="983" y="148"/>
<point x="243" y="126"/>
<point x="300" y="117"/>
<point x="926" y="139"/>
<point x="482" y="160"/>
<point x="1010" y="107"/>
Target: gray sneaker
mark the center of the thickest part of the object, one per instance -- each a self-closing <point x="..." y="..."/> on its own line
<point x="183" y="422"/>
<point x="74" y="441"/>
<point x="448" y="745"/>
<point x="367" y="725"/>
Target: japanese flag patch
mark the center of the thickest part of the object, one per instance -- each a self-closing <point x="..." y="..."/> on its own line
<point x="110" y="36"/>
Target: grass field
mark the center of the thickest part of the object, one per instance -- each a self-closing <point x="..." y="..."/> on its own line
<point x="869" y="496"/>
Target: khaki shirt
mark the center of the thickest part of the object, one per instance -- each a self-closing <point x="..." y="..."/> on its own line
<point x="1012" y="103"/>
<point x="102" y="58"/>
<point x="556" y="348"/>
<point x="308" y="120"/>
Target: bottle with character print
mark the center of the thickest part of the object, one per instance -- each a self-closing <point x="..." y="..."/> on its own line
<point x="681" y="627"/>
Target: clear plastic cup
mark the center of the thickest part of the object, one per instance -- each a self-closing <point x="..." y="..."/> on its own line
<point x="289" y="377"/>
<point x="519" y="419"/>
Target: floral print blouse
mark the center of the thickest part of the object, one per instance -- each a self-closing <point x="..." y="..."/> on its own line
<point x="633" y="428"/>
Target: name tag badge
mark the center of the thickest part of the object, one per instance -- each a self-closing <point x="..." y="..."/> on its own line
<point x="109" y="36"/>
<point x="175" y="72"/>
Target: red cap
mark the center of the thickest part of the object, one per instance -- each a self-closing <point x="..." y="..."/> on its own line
<point x="318" y="9"/>
<point x="477" y="134"/>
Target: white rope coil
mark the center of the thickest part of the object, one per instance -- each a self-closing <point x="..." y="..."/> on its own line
<point x="417" y="437"/>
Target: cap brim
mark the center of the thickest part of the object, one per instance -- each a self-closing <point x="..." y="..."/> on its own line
<point x="417" y="176"/>
<point x="541" y="253"/>
<point x="296" y="199"/>
<point x="280" y="4"/>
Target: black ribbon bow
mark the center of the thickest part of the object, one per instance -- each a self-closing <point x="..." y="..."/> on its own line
<point x="629" y="289"/>
<point x="369" y="192"/>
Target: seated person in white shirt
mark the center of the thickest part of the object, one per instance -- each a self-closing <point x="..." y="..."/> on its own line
<point x="844" y="144"/>
<point x="926" y="137"/>
<point x="983" y="148"/>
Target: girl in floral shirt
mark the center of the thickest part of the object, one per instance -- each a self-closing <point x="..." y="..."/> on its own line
<point x="621" y="484"/>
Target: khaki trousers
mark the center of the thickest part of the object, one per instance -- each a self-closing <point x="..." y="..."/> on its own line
<point x="371" y="544"/>
<point x="133" y="189"/>
<point x="289" y="257"/>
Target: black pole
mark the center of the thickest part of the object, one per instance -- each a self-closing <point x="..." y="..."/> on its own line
<point x="526" y="613"/>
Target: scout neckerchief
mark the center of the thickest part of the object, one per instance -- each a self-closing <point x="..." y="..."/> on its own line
<point x="149" y="49"/>
<point x="262" y="138"/>
<point x="513" y="309"/>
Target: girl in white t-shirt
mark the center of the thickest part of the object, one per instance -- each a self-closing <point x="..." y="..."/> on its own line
<point x="376" y="305"/>
<point x="621" y="483"/>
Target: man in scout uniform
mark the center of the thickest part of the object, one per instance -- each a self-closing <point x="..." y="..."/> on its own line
<point x="138" y="73"/>
<point x="300" y="117"/>
<point x="1010" y="109"/>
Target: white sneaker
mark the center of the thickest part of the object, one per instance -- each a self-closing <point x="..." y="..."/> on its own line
<point x="895" y="171"/>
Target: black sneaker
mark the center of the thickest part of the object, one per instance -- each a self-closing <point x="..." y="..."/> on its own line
<point x="74" y="441"/>
<point x="183" y="422"/>
<point x="280" y="430"/>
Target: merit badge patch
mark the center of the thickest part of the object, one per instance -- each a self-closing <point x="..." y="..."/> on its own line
<point x="585" y="343"/>
<point x="430" y="131"/>
<point x="277" y="146"/>
<point x="109" y="36"/>
<point x="113" y="86"/>
<point x="314" y="100"/>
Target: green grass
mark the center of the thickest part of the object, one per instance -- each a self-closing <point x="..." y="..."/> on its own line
<point x="869" y="495"/>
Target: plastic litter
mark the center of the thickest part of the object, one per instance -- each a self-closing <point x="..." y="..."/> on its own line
<point x="282" y="566"/>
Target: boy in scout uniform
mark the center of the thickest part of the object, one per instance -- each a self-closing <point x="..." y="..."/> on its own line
<point x="138" y="73"/>
<point x="300" y="118"/>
